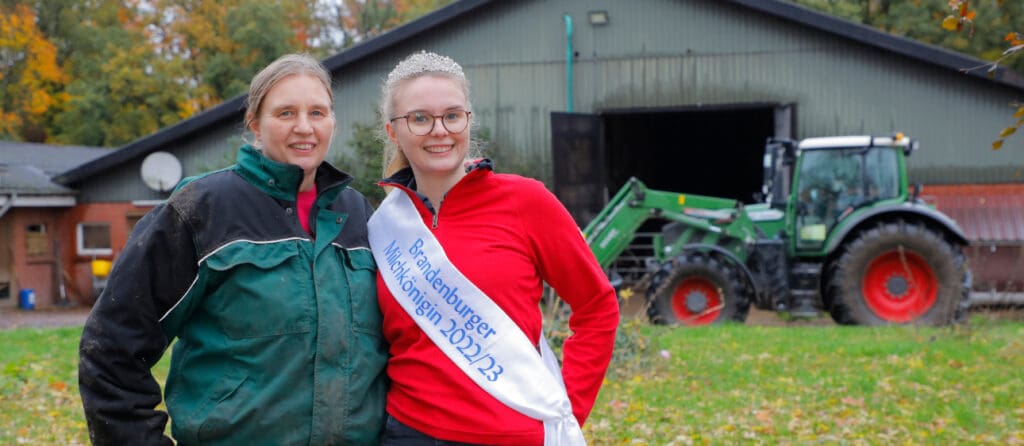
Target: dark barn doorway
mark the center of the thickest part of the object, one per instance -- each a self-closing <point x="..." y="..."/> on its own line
<point x="708" y="150"/>
<point x="715" y="152"/>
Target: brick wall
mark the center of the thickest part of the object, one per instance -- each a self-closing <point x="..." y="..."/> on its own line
<point x="43" y="247"/>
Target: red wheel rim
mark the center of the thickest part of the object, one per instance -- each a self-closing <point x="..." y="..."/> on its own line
<point x="696" y="301"/>
<point x="899" y="287"/>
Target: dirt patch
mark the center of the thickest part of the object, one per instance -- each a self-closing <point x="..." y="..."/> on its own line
<point x="12" y="318"/>
<point x="772" y="319"/>
<point x="635" y="307"/>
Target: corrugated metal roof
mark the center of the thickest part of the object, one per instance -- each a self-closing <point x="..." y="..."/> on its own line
<point x="22" y="179"/>
<point x="51" y="159"/>
<point x="986" y="212"/>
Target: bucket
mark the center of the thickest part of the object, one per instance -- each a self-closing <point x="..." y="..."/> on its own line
<point x="27" y="299"/>
<point x="100" y="267"/>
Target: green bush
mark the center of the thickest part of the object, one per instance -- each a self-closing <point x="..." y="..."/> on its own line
<point x="365" y="164"/>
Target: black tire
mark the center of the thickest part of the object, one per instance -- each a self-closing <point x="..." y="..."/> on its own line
<point x="898" y="273"/>
<point x="697" y="289"/>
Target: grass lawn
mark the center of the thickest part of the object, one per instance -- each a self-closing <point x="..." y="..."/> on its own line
<point x="817" y="385"/>
<point x="733" y="384"/>
<point x="39" y="402"/>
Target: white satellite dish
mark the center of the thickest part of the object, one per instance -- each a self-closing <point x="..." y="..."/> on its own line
<point x="161" y="171"/>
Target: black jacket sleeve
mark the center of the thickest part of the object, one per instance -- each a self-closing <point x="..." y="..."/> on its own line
<point x="123" y="338"/>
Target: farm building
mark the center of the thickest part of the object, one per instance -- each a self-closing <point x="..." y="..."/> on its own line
<point x="680" y="93"/>
<point x="38" y="230"/>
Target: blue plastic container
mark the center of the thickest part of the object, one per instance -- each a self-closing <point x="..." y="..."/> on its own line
<point x="27" y="299"/>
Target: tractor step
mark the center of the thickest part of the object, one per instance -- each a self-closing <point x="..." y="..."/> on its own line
<point x="804" y="297"/>
<point x="805" y="276"/>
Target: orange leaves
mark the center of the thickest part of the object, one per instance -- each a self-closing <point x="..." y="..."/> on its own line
<point x="962" y="14"/>
<point x="18" y="34"/>
<point x="32" y="82"/>
<point x="1014" y="38"/>
<point x="1017" y="42"/>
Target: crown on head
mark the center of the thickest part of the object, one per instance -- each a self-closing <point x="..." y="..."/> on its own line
<point x="424" y="62"/>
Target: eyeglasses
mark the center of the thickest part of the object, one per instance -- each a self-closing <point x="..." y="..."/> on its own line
<point x="422" y="123"/>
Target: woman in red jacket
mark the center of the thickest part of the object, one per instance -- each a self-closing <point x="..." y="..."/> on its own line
<point x="463" y="253"/>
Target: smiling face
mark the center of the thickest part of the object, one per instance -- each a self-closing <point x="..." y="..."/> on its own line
<point x="295" y="123"/>
<point x="438" y="155"/>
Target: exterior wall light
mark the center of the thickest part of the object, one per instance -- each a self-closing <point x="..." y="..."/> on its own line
<point x="598" y="18"/>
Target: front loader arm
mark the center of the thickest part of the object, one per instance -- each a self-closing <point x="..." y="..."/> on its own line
<point x="614" y="228"/>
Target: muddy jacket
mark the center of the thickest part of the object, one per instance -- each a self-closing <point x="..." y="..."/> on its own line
<point x="278" y="334"/>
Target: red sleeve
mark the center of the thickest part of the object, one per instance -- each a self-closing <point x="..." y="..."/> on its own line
<point x="567" y="264"/>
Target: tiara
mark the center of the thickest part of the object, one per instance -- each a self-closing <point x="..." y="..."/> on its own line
<point x="424" y="62"/>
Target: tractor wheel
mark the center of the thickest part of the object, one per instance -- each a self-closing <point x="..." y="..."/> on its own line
<point x="696" y="290"/>
<point x="898" y="273"/>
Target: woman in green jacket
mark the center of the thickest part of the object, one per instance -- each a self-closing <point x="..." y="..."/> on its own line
<point x="262" y="273"/>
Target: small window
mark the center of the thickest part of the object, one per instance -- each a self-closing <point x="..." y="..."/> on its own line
<point x="94" y="239"/>
<point x="37" y="244"/>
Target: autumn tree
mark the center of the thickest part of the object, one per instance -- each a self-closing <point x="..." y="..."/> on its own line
<point x="121" y="88"/>
<point x="222" y="44"/>
<point x="31" y="81"/>
<point x="106" y="72"/>
<point x="347" y="22"/>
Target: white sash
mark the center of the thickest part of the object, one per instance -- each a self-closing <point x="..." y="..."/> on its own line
<point x="466" y="324"/>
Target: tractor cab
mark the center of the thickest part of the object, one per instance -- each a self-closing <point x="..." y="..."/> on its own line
<point x="836" y="176"/>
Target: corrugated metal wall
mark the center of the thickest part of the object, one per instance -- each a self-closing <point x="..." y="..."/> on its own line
<point x="667" y="53"/>
<point x="664" y="53"/>
<point x="201" y="153"/>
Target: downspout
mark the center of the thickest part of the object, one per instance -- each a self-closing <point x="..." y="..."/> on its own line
<point x="568" y="62"/>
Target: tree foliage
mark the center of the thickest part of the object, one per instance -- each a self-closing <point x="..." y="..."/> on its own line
<point x="106" y="72"/>
<point x="928" y="21"/>
<point x="221" y="45"/>
<point x="367" y="163"/>
<point x="347" y="22"/>
<point x="31" y="81"/>
<point x="950" y="24"/>
<point x="961" y="16"/>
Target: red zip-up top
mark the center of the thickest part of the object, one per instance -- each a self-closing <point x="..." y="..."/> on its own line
<point x="507" y="234"/>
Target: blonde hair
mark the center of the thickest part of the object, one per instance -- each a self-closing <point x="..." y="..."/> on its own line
<point x="416" y="65"/>
<point x="284" y="66"/>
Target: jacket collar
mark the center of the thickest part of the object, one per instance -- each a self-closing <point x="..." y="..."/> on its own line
<point x="405" y="179"/>
<point x="281" y="180"/>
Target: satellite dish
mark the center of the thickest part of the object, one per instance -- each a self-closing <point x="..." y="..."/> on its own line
<point x="161" y="171"/>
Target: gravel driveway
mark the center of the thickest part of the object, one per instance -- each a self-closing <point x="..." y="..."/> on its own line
<point x="11" y="318"/>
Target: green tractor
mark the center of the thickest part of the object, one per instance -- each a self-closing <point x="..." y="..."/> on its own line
<point x="836" y="229"/>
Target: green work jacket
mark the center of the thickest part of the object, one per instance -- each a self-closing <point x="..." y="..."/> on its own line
<point x="278" y="332"/>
